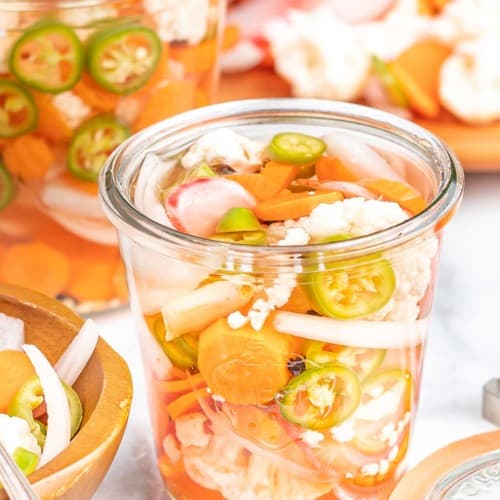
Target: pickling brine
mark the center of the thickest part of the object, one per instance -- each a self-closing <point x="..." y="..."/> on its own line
<point x="75" y="82"/>
<point x="283" y="307"/>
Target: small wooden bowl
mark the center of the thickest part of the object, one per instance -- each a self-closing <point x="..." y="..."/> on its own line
<point x="104" y="387"/>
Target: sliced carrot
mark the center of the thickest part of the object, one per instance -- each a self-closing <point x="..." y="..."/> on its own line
<point x="94" y="95"/>
<point x="170" y="100"/>
<point x="196" y="58"/>
<point x="28" y="157"/>
<point x="230" y="37"/>
<point x="201" y="99"/>
<point x="15" y="370"/>
<point x="417" y="70"/>
<point x="329" y="168"/>
<point x="185" y="403"/>
<point x="439" y="5"/>
<point x="183" y="487"/>
<point x="187" y="384"/>
<point x="51" y="124"/>
<point x="406" y="196"/>
<point x="37" y="266"/>
<point x="260" y="186"/>
<point x="298" y="301"/>
<point x="244" y="366"/>
<point x="280" y="173"/>
<point x="293" y="206"/>
<point x="90" y="280"/>
<point x="426" y="7"/>
<point x="19" y="222"/>
<point x="3" y="143"/>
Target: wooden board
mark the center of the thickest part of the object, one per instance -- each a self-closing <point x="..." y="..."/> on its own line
<point x="478" y="147"/>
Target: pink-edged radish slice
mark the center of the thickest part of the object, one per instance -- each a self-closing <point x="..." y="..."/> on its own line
<point x="348" y="189"/>
<point x="195" y="207"/>
<point x="359" y="157"/>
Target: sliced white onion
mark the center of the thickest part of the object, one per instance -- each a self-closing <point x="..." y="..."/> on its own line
<point x="97" y="230"/>
<point x="349" y="189"/>
<point x="356" y="333"/>
<point x="11" y="333"/>
<point x="151" y="175"/>
<point x="58" y="195"/>
<point x="359" y="157"/>
<point x="76" y="356"/>
<point x="58" y="416"/>
<point x="242" y="57"/>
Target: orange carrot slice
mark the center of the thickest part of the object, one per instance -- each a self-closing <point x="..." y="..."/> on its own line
<point x="406" y="196"/>
<point x="439" y="5"/>
<point x="51" y="124"/>
<point x="15" y="370"/>
<point x="37" y="266"/>
<point x="281" y="173"/>
<point x="230" y="37"/>
<point x="170" y="100"/>
<point x="28" y="157"/>
<point x="185" y="403"/>
<point x="184" y="385"/>
<point x="94" y="95"/>
<point x="258" y="185"/>
<point x="294" y="205"/>
<point x="90" y="280"/>
<point x="196" y="58"/>
<point x="244" y="366"/>
<point x="417" y="70"/>
<point x="332" y="169"/>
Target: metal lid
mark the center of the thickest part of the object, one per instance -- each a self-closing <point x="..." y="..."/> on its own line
<point x="491" y="402"/>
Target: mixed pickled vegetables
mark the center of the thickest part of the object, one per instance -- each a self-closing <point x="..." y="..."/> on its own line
<point x="283" y="382"/>
<point x="74" y="84"/>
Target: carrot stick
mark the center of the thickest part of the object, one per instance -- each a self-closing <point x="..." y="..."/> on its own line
<point x="293" y="206"/>
<point x="230" y="37"/>
<point x="51" y="124"/>
<point x="196" y="58"/>
<point x="332" y="169"/>
<point x="280" y="173"/>
<point x="95" y="96"/>
<point x="260" y="186"/>
<point x="185" y="403"/>
<point x="184" y="385"/>
<point x="15" y="370"/>
<point x="28" y="157"/>
<point x="37" y="266"/>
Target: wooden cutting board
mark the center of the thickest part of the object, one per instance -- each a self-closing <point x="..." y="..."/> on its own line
<point x="477" y="147"/>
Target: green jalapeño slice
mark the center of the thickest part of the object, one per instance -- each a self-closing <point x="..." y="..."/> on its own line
<point x="320" y="398"/>
<point x="123" y="58"/>
<point x="92" y="143"/>
<point x="6" y="187"/>
<point x="47" y="57"/>
<point x="295" y="148"/>
<point x="18" y="113"/>
<point x="352" y="289"/>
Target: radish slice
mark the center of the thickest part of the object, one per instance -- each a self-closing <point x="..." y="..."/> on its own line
<point x="359" y="157"/>
<point x="348" y="189"/>
<point x="76" y="356"/>
<point x="368" y="334"/>
<point x="146" y="195"/>
<point x="58" y="416"/>
<point x="195" y="207"/>
<point x="11" y="333"/>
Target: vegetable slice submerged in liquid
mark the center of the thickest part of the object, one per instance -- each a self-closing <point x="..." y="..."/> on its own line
<point x="123" y="58"/>
<point x="6" y="187"/>
<point x="92" y="143"/>
<point x="295" y="148"/>
<point x="18" y="113"/>
<point x="48" y="57"/>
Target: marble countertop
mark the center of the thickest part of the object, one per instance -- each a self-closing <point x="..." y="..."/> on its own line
<point x="462" y="353"/>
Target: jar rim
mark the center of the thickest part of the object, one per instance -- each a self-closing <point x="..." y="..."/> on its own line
<point x="132" y="222"/>
<point x="35" y="5"/>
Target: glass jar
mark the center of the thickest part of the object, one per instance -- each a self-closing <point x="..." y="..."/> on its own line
<point x="78" y="77"/>
<point x="318" y="401"/>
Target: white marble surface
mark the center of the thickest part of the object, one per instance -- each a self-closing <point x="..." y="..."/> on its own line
<point x="463" y="350"/>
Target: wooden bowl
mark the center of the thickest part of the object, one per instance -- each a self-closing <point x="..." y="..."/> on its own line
<point x="104" y="387"/>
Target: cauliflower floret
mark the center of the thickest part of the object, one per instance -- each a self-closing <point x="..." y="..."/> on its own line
<point x="467" y="19"/>
<point x="224" y="146"/>
<point x="15" y="433"/>
<point x="294" y="236"/>
<point x="180" y="19"/>
<point x="191" y="431"/>
<point x="320" y="55"/>
<point x="470" y="80"/>
<point x="72" y="108"/>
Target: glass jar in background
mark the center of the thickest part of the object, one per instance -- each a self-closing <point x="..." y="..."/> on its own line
<point x="77" y="78"/>
<point x="320" y="401"/>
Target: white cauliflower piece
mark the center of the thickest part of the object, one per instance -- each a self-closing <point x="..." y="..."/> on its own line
<point x="180" y="19"/>
<point x="224" y="146"/>
<point x="191" y="430"/>
<point x="470" y="80"/>
<point x="15" y="433"/>
<point x="85" y="16"/>
<point x="320" y="55"/>
<point x="294" y="236"/>
<point x="467" y="19"/>
<point x="73" y="110"/>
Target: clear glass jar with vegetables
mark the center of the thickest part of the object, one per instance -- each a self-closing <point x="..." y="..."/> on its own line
<point x="282" y="259"/>
<point x="77" y="78"/>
